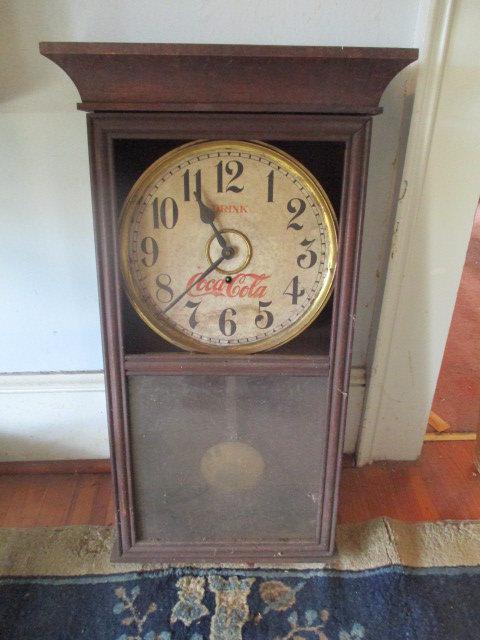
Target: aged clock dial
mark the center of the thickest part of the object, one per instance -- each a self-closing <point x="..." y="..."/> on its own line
<point x="228" y="246"/>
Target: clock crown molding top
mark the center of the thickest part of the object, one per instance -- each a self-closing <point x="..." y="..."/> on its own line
<point x="229" y="78"/>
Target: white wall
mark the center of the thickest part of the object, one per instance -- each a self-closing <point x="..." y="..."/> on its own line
<point x="432" y="230"/>
<point x="53" y="416"/>
<point x="48" y="283"/>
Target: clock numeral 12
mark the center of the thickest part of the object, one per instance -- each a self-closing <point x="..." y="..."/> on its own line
<point x="232" y="168"/>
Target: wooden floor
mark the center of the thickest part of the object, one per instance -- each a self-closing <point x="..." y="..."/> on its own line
<point x="442" y="485"/>
<point x="457" y="397"/>
<point x="55" y="499"/>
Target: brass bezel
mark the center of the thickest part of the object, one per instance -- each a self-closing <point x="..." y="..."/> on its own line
<point x="163" y="328"/>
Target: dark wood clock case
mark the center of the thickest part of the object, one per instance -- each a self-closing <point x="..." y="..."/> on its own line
<point x="167" y="407"/>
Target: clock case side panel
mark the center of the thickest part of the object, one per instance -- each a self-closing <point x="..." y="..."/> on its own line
<point x="109" y="289"/>
<point x="344" y="315"/>
<point x="354" y="132"/>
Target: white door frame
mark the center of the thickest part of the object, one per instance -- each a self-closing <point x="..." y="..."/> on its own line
<point x="437" y="205"/>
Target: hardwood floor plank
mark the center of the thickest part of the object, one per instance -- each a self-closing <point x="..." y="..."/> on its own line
<point x="99" y="512"/>
<point x="56" y="501"/>
<point x="426" y="509"/>
<point x="7" y="487"/>
<point x="454" y="484"/>
<point x="110" y="516"/>
<point x="443" y="484"/>
<point x="84" y="499"/>
<point x="27" y="498"/>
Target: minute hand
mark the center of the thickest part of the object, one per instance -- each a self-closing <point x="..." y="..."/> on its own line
<point x="211" y="268"/>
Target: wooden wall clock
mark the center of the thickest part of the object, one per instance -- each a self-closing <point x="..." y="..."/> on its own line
<point x="228" y="186"/>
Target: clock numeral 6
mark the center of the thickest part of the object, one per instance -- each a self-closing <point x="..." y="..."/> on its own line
<point x="149" y="247"/>
<point x="264" y="316"/>
<point x="294" y="290"/>
<point x="192" y="321"/>
<point x="164" y="292"/>
<point x="232" y="168"/>
<point x="227" y="325"/>
<point x="160" y="213"/>
<point x="312" y="256"/>
<point x="296" y="206"/>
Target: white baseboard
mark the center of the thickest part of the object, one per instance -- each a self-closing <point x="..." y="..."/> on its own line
<point x="53" y="416"/>
<point x="62" y="416"/>
<point x="75" y="382"/>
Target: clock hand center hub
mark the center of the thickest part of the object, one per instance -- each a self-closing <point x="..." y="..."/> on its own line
<point x="228" y="253"/>
<point x="236" y="254"/>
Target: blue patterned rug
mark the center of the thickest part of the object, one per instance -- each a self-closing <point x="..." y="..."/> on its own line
<point x="390" y="602"/>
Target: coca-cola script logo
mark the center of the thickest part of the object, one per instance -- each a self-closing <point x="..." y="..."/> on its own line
<point x="242" y="285"/>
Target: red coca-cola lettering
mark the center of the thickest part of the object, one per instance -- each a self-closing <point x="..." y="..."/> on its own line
<point x="242" y="285"/>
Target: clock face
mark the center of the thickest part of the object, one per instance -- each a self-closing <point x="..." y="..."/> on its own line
<point x="228" y="246"/>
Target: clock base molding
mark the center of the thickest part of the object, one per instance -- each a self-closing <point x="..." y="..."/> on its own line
<point x="66" y="419"/>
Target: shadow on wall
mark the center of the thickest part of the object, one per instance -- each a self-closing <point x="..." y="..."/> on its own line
<point x="385" y="189"/>
<point x="27" y="78"/>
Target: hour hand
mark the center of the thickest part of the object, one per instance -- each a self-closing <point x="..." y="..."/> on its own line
<point x="207" y="216"/>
